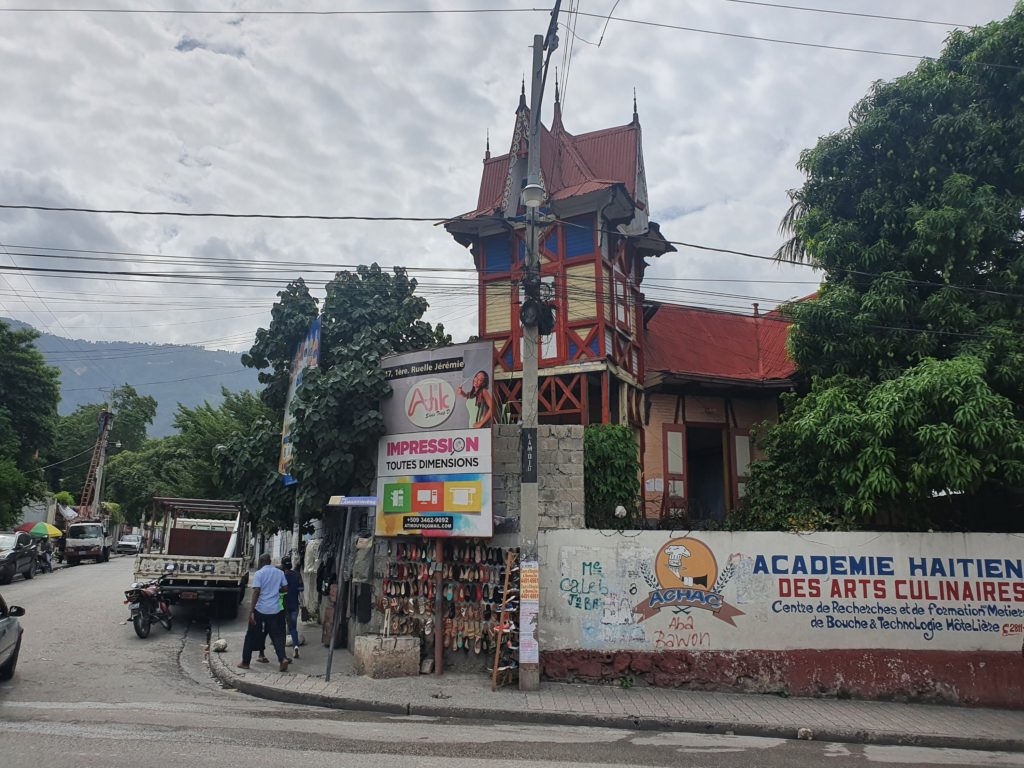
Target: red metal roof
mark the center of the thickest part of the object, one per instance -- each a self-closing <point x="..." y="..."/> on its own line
<point x="698" y="342"/>
<point x="571" y="165"/>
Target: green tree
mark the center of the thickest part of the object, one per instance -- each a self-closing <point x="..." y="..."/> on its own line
<point x="133" y="414"/>
<point x="159" y="468"/>
<point x="203" y="428"/>
<point x="78" y="431"/>
<point x="247" y="465"/>
<point x="29" y="393"/>
<point x="15" y="489"/>
<point x="274" y="347"/>
<point x="611" y="475"/>
<point x="914" y="345"/>
<point x="114" y="512"/>
<point x="366" y="314"/>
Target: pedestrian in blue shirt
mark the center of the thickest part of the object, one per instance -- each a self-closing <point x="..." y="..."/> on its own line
<point x="266" y="616"/>
<point x="291" y="602"/>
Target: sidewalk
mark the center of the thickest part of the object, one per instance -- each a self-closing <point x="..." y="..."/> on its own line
<point x="642" y="708"/>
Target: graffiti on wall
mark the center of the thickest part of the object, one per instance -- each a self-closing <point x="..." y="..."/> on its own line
<point x="586" y="588"/>
<point x="724" y="591"/>
<point x="603" y="593"/>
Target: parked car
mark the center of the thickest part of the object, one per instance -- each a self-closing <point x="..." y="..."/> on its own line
<point x="130" y="544"/>
<point x="10" y="638"/>
<point x="17" y="555"/>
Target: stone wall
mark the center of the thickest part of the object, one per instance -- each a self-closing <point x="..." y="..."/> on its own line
<point x="560" y="478"/>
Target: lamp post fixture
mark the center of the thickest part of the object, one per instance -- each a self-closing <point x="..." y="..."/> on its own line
<point x="533" y="196"/>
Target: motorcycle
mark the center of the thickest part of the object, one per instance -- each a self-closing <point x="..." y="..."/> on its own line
<point x="145" y="601"/>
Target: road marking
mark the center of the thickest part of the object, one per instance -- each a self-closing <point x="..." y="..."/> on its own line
<point x="835" y="749"/>
<point x="706" y="742"/>
<point x="933" y="756"/>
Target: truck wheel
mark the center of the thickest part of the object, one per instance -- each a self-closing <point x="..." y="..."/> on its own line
<point x="71" y="560"/>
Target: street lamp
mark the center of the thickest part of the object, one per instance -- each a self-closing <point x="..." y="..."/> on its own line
<point x="533" y="196"/>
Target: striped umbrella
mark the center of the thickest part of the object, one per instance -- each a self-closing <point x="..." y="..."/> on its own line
<point x="41" y="530"/>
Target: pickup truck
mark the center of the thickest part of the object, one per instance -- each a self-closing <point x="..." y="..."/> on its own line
<point x="203" y="560"/>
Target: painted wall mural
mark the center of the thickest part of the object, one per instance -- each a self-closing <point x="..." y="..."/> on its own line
<point x="775" y="591"/>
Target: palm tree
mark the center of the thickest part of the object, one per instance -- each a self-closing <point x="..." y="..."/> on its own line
<point x="793" y="249"/>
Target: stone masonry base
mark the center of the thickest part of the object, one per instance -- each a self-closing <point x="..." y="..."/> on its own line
<point x="987" y="679"/>
<point x="380" y="657"/>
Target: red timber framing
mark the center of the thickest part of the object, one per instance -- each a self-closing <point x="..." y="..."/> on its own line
<point x="595" y="234"/>
<point x="598" y="317"/>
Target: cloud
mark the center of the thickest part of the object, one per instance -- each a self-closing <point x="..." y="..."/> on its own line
<point x="386" y="115"/>
<point x="187" y="44"/>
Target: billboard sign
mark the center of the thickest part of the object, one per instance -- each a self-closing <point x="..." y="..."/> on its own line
<point x="307" y="355"/>
<point x="434" y="463"/>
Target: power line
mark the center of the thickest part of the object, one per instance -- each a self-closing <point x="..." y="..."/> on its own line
<point x="780" y="41"/>
<point x="851" y="13"/>
<point x="256" y="280"/>
<point x="262" y="12"/>
<point x="43" y="304"/>
<point x="260" y="281"/>
<point x="860" y="273"/>
<point x="414" y="11"/>
<point x="222" y="258"/>
<point x="606" y="23"/>
<point x="191" y="214"/>
<point x="425" y="289"/>
<point x="69" y="458"/>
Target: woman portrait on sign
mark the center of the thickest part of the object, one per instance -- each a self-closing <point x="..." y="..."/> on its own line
<point x="479" y="401"/>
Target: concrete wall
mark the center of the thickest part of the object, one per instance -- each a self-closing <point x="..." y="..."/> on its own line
<point x="560" y="479"/>
<point x="908" y="616"/>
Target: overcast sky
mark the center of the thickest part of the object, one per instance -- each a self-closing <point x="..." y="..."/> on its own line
<point x="387" y="115"/>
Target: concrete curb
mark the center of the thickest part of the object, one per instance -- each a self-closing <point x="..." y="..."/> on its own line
<point x="222" y="672"/>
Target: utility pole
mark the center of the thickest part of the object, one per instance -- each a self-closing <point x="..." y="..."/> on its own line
<point x="106" y="422"/>
<point x="532" y="197"/>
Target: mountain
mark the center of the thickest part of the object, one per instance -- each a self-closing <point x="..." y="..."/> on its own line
<point x="170" y="373"/>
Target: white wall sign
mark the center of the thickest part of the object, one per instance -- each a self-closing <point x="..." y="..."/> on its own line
<point x="777" y="591"/>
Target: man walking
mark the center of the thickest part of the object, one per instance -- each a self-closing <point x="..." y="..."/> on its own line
<point x="266" y="616"/>
<point x="291" y="602"/>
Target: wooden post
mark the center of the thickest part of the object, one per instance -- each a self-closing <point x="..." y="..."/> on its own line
<point x="439" y="610"/>
<point x="340" y="593"/>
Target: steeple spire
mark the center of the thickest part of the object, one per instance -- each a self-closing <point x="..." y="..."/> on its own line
<point x="487" y="151"/>
<point x="556" y="122"/>
<point x="522" y="95"/>
<point x="636" y="117"/>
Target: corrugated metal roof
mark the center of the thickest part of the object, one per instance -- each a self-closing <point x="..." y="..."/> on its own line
<point x="492" y="183"/>
<point x="611" y="153"/>
<point x="572" y="165"/>
<point x="684" y="340"/>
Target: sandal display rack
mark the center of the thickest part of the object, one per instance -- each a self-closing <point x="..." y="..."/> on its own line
<point x="506" y="652"/>
<point x="472" y="578"/>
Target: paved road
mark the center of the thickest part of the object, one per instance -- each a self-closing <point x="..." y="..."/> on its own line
<point x="89" y="693"/>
